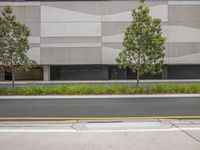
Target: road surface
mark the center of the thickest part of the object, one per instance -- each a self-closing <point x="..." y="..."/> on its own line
<point x="100" y="107"/>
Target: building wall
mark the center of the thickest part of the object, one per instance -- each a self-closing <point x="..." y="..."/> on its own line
<point x="33" y="74"/>
<point x="29" y="13"/>
<point x="91" y="32"/>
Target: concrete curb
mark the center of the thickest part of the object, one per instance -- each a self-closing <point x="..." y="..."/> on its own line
<point x="100" y="96"/>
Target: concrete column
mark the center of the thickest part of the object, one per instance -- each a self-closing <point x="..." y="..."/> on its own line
<point x="46" y="73"/>
<point x="2" y="74"/>
<point x="165" y="72"/>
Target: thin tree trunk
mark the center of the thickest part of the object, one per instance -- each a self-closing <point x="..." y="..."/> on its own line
<point x="138" y="77"/>
<point x="138" y="70"/>
<point x="13" y="80"/>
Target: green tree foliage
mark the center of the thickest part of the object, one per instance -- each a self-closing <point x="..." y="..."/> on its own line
<point x="143" y="44"/>
<point x="13" y="44"/>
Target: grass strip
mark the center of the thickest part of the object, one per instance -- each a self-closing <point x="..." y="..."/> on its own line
<point x="88" y="89"/>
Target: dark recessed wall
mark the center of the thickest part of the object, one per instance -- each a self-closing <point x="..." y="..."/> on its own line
<point x="81" y="72"/>
<point x="94" y="72"/>
<point x="184" y="72"/>
<point x="102" y="72"/>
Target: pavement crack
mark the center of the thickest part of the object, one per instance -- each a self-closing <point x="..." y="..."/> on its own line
<point x="74" y="128"/>
<point x="194" y="138"/>
<point x="172" y="125"/>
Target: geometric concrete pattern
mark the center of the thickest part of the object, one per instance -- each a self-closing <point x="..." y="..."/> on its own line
<point x="73" y="32"/>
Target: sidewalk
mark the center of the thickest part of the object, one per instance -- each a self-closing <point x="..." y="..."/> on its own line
<point x="153" y="134"/>
<point x="102" y="125"/>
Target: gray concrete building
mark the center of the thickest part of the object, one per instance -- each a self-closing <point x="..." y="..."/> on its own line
<point x="79" y="40"/>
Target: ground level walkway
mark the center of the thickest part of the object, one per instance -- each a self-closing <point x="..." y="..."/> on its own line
<point x="160" y="134"/>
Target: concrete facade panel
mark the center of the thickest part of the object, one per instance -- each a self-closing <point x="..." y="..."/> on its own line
<point x="52" y="14"/>
<point x="54" y="56"/>
<point x="71" y="56"/>
<point x="34" y="53"/>
<point x="117" y="38"/>
<point x="47" y="40"/>
<point x="25" y="13"/>
<point x="187" y="2"/>
<point x="160" y="11"/>
<point x="115" y="7"/>
<point x="119" y="17"/>
<point x="34" y="28"/>
<point x="184" y="13"/>
<point x="4" y="3"/>
<point x="88" y="7"/>
<point x="19" y="12"/>
<point x="111" y="28"/>
<point x="32" y="14"/>
<point x="107" y="52"/>
<point x="72" y="29"/>
<point x="195" y="25"/>
<point x="86" y="56"/>
<point x="34" y="39"/>
<point x="34" y="45"/>
<point x="182" y="49"/>
<point x="72" y="45"/>
<point x="88" y="32"/>
<point x="188" y="59"/>
<point x="181" y="34"/>
<point x="113" y="45"/>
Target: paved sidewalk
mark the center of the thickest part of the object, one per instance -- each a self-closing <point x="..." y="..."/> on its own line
<point x="159" y="134"/>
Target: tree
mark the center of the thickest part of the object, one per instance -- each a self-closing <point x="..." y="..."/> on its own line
<point x="143" y="44"/>
<point x="13" y="44"/>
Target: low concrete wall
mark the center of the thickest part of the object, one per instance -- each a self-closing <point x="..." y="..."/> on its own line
<point x="126" y="82"/>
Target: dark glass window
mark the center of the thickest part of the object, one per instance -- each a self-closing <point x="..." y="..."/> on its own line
<point x="8" y="75"/>
<point x="183" y="72"/>
<point x="79" y="72"/>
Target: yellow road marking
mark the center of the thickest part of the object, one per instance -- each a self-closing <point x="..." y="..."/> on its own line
<point x="98" y="118"/>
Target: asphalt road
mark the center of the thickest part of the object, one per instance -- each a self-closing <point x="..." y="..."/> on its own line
<point x="96" y="107"/>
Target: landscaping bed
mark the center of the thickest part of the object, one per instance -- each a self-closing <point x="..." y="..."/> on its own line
<point x="75" y="89"/>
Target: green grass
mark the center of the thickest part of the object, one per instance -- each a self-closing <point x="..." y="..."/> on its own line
<point x="102" y="89"/>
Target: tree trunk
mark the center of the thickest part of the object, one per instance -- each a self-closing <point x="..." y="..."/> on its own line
<point x="138" y="77"/>
<point x="13" y="80"/>
<point x="138" y="70"/>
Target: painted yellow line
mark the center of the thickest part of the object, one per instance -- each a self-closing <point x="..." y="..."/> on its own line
<point x="97" y="118"/>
